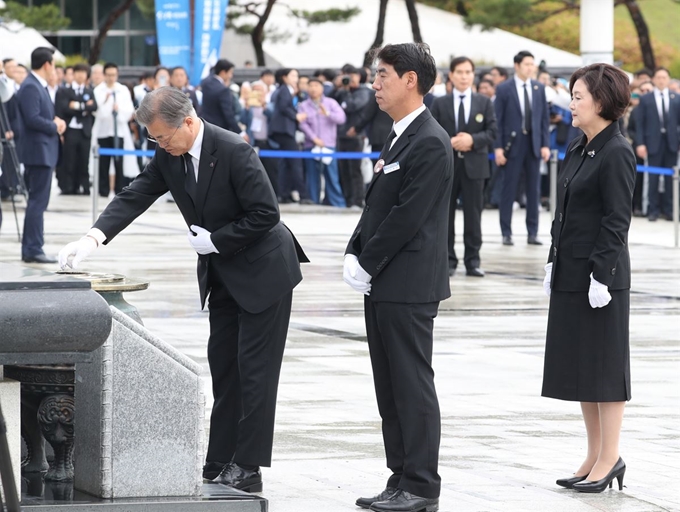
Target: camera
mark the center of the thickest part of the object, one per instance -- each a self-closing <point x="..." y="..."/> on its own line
<point x="345" y="80"/>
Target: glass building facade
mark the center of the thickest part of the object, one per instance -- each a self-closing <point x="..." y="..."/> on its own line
<point x="130" y="42"/>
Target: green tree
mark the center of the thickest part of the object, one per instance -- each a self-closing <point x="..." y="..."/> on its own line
<point x="510" y="14"/>
<point x="42" y="18"/>
<point x="242" y="13"/>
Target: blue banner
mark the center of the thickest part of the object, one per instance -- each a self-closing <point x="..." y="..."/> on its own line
<point x="173" y="30"/>
<point x="209" y="17"/>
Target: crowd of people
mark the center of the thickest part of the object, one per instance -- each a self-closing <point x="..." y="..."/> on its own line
<point x="525" y="115"/>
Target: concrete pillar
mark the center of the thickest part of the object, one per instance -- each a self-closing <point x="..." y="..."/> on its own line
<point x="597" y="31"/>
<point x="10" y="398"/>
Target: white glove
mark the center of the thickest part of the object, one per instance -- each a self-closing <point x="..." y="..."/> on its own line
<point x="598" y="294"/>
<point x="75" y="252"/>
<point x="355" y="276"/>
<point x="201" y="241"/>
<point x="547" y="278"/>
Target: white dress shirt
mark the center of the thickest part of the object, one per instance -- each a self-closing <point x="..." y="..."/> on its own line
<point x="75" y="122"/>
<point x="657" y="96"/>
<point x="467" y="104"/>
<point x="195" y="150"/>
<point x="401" y="126"/>
<point x="520" y="91"/>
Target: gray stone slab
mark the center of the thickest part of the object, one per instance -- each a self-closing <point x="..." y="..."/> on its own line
<point x="213" y="498"/>
<point x="139" y="418"/>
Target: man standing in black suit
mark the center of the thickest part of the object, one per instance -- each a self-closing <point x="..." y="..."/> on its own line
<point x="39" y="152"/>
<point x="218" y="100"/>
<point x="248" y="262"/>
<point x="397" y="257"/>
<point x="76" y="104"/>
<point x="523" y="121"/>
<point x="470" y="120"/>
<point x="657" y="121"/>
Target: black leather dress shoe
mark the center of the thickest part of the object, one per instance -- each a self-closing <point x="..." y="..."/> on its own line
<point x="212" y="469"/>
<point x="403" y="501"/>
<point x="367" y="502"/>
<point x="532" y="240"/>
<point x="233" y="475"/>
<point x="474" y="272"/>
<point x="507" y="240"/>
<point x="39" y="258"/>
<point x="568" y="483"/>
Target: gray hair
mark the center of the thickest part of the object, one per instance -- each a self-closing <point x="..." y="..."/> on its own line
<point x="167" y="104"/>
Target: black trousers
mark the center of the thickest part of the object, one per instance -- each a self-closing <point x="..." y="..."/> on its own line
<point x="473" y="203"/>
<point x="290" y="174"/>
<point x="400" y="345"/>
<point x="74" y="167"/>
<point x="661" y="203"/>
<point x="245" y="351"/>
<point x="271" y="165"/>
<point x="38" y="182"/>
<point x="351" y="179"/>
<point x="521" y="162"/>
<point x="105" y="164"/>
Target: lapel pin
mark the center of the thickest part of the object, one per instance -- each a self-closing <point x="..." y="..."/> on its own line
<point x="479" y="118"/>
<point x="535" y="87"/>
<point x="212" y="164"/>
<point x="379" y="166"/>
<point x="591" y="154"/>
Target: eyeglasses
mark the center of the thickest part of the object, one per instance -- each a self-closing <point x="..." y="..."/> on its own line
<point x="161" y="141"/>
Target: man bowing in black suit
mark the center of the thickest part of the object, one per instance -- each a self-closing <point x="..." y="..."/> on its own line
<point x="470" y="120"/>
<point x="247" y="260"/>
<point x="397" y="257"/>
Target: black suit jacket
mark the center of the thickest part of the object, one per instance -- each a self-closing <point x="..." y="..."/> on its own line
<point x="258" y="256"/>
<point x="594" y="196"/>
<point x="379" y="120"/>
<point x="284" y="117"/>
<point x="509" y="115"/>
<point x="481" y="125"/>
<point x="648" y="124"/>
<point x="218" y="104"/>
<point x="401" y="238"/>
<point x="65" y="95"/>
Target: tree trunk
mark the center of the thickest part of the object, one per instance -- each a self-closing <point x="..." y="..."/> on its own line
<point x="113" y="16"/>
<point x="413" y="16"/>
<point x="643" y="33"/>
<point x="379" y="34"/>
<point x="257" y="35"/>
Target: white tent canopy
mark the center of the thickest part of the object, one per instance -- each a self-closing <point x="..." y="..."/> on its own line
<point x="17" y="41"/>
<point x="335" y="44"/>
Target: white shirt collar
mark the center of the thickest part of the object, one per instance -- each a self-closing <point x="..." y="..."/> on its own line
<point x="220" y="79"/>
<point x="42" y="81"/>
<point x="195" y="150"/>
<point x="467" y="93"/>
<point x="519" y="82"/>
<point x="663" y="92"/>
<point x="401" y="126"/>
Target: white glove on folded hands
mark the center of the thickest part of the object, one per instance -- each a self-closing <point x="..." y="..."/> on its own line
<point x="75" y="252"/>
<point x="547" y="278"/>
<point x="355" y="276"/>
<point x="201" y="242"/>
<point x="598" y="294"/>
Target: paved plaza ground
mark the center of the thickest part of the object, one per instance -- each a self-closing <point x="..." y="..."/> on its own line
<point x="502" y="445"/>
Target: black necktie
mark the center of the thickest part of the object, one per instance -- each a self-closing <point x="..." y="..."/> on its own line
<point x="527" y="110"/>
<point x="461" y="115"/>
<point x="190" y="177"/>
<point x="664" y="115"/>
<point x="388" y="143"/>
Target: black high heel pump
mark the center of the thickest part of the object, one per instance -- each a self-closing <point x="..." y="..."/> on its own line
<point x="617" y="472"/>
<point x="568" y="483"/>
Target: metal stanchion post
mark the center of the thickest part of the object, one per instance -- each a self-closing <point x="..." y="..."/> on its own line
<point x="95" y="184"/>
<point x="6" y="472"/>
<point x="676" y="206"/>
<point x="554" y="159"/>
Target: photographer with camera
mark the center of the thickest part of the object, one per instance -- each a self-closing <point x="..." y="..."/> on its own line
<point x="353" y="98"/>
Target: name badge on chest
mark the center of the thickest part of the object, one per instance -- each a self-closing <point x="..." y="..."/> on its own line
<point x="391" y="168"/>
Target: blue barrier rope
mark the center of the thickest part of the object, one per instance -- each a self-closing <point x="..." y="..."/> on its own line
<point x="269" y="153"/>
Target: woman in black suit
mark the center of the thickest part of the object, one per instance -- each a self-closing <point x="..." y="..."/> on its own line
<point x="588" y="274"/>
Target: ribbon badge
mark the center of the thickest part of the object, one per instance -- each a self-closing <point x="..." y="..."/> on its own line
<point x="379" y="166"/>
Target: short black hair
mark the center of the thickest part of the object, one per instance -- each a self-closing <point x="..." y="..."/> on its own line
<point x="280" y="73"/>
<point x="414" y="57"/>
<point x="501" y="71"/>
<point x="348" y="69"/>
<point x="364" y="75"/>
<point x="222" y="65"/>
<point x="517" y="59"/>
<point x="177" y="68"/>
<point x="661" y="68"/>
<point x="644" y="71"/>
<point x="315" y="80"/>
<point x="609" y="87"/>
<point x="266" y="72"/>
<point x="159" y="69"/>
<point x="329" y="74"/>
<point x="110" y="65"/>
<point x="40" y="56"/>
<point x="488" y="82"/>
<point x="82" y="66"/>
<point x="8" y="59"/>
<point x="460" y="60"/>
<point x="146" y="75"/>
